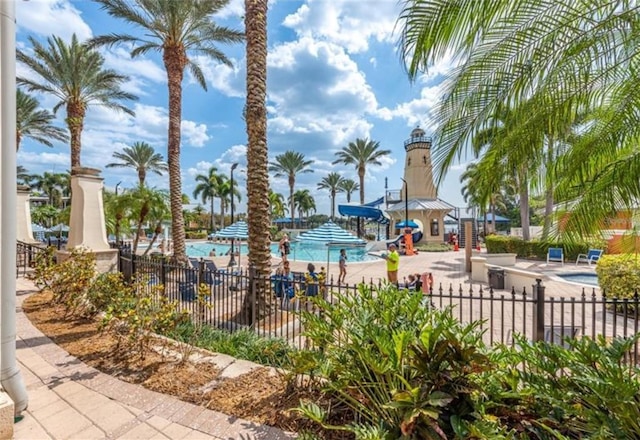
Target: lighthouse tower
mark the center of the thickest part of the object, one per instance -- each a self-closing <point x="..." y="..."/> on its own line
<point x="418" y="173"/>
<point x="418" y="200"/>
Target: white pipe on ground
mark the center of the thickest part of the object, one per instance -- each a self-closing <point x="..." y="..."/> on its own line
<point x="10" y="377"/>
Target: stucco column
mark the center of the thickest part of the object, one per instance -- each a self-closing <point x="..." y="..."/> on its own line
<point x="24" y="231"/>
<point x="87" y="228"/>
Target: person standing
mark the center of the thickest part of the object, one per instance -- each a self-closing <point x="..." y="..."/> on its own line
<point x="393" y="261"/>
<point x="342" y="263"/>
<point x="285" y="247"/>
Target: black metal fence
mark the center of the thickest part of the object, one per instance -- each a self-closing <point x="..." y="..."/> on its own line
<point x="26" y="254"/>
<point x="231" y="304"/>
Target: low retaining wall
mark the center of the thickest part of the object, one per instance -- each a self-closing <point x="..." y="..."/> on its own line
<point x="513" y="277"/>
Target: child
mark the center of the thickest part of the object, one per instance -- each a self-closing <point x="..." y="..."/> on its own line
<point x="343" y="266"/>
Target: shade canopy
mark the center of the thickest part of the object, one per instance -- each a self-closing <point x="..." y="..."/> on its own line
<point x="237" y="230"/>
<point x="286" y="220"/>
<point x="38" y="229"/>
<point x="497" y="218"/>
<point x="330" y="233"/>
<point x="409" y="224"/>
<point x="60" y="227"/>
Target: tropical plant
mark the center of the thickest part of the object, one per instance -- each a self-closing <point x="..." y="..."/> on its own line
<point x="23" y="176"/>
<point x="304" y="202"/>
<point x="180" y="30"/>
<point x="332" y="183"/>
<point x="143" y="201"/>
<point x="54" y="185"/>
<point x="35" y="124"/>
<point x="349" y="186"/>
<point x="117" y="213"/>
<point x="208" y="188"/>
<point x="405" y="369"/>
<point x="361" y="153"/>
<point x="225" y="192"/>
<point x="288" y="165"/>
<point x="570" y="59"/>
<point x="75" y="75"/>
<point x="45" y="215"/>
<point x="277" y="207"/>
<point x="142" y="158"/>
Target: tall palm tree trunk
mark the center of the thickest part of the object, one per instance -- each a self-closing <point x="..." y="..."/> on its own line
<point x="524" y="206"/>
<point x="142" y="176"/>
<point x="548" y="202"/>
<point x="213" y="222"/>
<point x="18" y="139"/>
<point x="258" y="301"/>
<point x="75" y="123"/>
<point x="333" y="205"/>
<point x="293" y="205"/>
<point x="175" y="60"/>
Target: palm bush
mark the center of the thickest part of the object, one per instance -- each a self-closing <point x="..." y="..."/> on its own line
<point x="404" y="369"/>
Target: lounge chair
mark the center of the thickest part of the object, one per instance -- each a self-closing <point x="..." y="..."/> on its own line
<point x="590" y="257"/>
<point x="555" y="254"/>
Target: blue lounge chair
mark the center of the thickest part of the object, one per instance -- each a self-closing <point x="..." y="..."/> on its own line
<point x="555" y="254"/>
<point x="590" y="257"/>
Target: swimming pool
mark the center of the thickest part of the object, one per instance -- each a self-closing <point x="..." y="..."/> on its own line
<point x="299" y="251"/>
<point x="581" y="278"/>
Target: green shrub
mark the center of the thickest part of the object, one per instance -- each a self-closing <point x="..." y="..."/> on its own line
<point x="405" y="370"/>
<point x="537" y="249"/>
<point x="619" y="275"/>
<point x="433" y="247"/>
<point x="586" y="391"/>
<point x="195" y="235"/>
<point x="242" y="344"/>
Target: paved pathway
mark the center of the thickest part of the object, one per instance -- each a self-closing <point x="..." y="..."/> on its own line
<point x="71" y="400"/>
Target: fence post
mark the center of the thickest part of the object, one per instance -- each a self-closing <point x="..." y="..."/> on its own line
<point x="254" y="285"/>
<point x="163" y="272"/>
<point x="538" y="316"/>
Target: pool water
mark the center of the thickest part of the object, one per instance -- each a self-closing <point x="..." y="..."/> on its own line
<point x="299" y="251"/>
<point x="582" y="278"/>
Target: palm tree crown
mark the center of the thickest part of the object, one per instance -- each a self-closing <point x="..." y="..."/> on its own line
<point x="142" y="158"/>
<point x="332" y="182"/>
<point x="35" y="124"/>
<point x="208" y="188"/>
<point x="74" y="74"/>
<point x="179" y="30"/>
<point x="288" y="165"/>
<point x="361" y="153"/>
<point x="349" y="186"/>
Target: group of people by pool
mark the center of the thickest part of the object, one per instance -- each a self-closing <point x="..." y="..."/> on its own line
<point x="415" y="281"/>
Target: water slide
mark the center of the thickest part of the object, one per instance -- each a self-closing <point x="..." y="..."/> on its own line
<point x="415" y="237"/>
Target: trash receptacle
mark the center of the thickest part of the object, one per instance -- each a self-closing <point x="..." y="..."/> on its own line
<point x="496" y="278"/>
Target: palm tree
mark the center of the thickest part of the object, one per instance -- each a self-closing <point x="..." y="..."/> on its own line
<point x="142" y="201"/>
<point x="304" y="201"/>
<point x="349" y="186"/>
<point x="288" y="165"/>
<point x="208" y="188"/>
<point x="75" y="75"/>
<point x="277" y="207"/>
<point x="332" y="182"/>
<point x="142" y="158"/>
<point x="361" y="153"/>
<point x="54" y="185"/>
<point x="24" y="177"/>
<point x="571" y="56"/>
<point x="35" y="124"/>
<point x="179" y="30"/>
<point x="224" y="191"/>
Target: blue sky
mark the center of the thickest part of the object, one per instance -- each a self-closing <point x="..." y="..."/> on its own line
<point x="334" y="76"/>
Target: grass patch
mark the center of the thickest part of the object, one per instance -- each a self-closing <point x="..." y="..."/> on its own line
<point x="242" y="344"/>
<point x="434" y="247"/>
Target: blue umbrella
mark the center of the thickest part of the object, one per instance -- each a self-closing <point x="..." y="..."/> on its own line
<point x="409" y="224"/>
<point x="237" y="230"/>
<point x="330" y="233"/>
<point x="39" y="229"/>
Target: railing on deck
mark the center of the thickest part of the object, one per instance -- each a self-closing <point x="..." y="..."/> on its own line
<point x="530" y="313"/>
<point x="26" y="254"/>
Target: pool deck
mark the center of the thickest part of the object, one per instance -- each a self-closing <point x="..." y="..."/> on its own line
<point x="448" y="269"/>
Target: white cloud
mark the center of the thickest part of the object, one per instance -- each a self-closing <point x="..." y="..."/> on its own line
<point x="47" y="17"/>
<point x="221" y="77"/>
<point x="120" y="60"/>
<point x="346" y="22"/>
<point x="195" y="134"/>
<point x="43" y="161"/>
